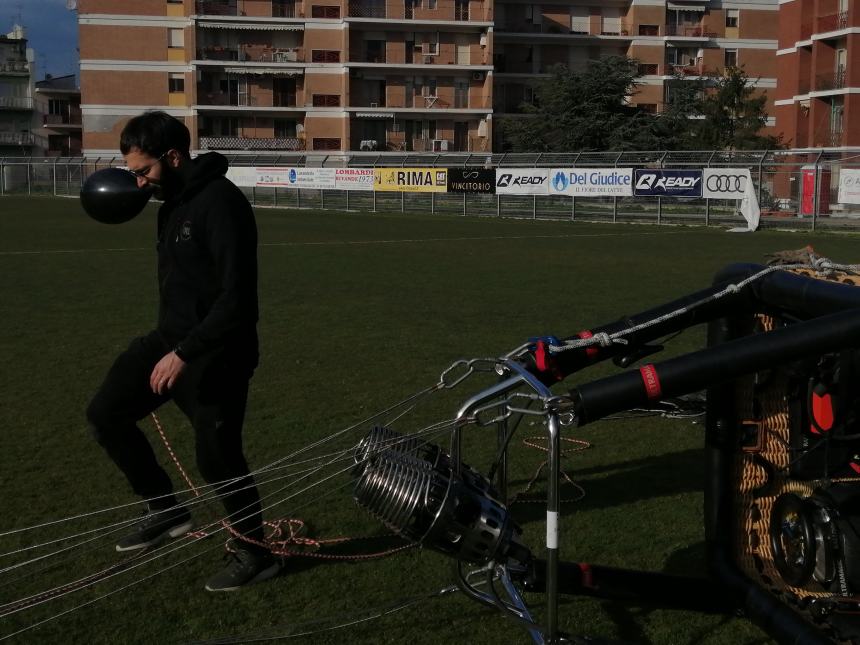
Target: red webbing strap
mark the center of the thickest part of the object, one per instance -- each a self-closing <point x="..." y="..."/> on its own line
<point x="651" y="381"/>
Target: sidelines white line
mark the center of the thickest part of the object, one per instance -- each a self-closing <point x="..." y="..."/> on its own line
<point x="467" y="239"/>
<point x="366" y="242"/>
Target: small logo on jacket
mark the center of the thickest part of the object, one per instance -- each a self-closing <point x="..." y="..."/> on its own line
<point x="185" y="231"/>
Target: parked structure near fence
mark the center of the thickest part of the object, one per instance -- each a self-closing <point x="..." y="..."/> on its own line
<point x="795" y="188"/>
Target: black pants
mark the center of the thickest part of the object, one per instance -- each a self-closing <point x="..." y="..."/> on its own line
<point x="212" y="392"/>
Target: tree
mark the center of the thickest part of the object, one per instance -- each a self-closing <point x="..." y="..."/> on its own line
<point x="582" y="111"/>
<point x="733" y="115"/>
<point x="589" y="110"/>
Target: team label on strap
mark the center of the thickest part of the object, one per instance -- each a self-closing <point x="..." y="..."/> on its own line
<point x="651" y="381"/>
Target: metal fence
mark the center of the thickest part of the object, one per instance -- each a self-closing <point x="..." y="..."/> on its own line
<point x="797" y="189"/>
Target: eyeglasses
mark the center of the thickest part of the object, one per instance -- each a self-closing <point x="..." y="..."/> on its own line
<point x="143" y="172"/>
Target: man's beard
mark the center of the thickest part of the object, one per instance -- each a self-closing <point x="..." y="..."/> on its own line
<point x="169" y="185"/>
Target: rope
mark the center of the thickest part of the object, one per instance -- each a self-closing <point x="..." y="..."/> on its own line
<point x="284" y="534"/>
<point x="818" y="264"/>
<point x="531" y="442"/>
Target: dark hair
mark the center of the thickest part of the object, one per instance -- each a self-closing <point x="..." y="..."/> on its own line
<point x="154" y="133"/>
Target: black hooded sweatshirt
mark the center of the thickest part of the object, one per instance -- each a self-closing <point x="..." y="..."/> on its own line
<point x="207" y="267"/>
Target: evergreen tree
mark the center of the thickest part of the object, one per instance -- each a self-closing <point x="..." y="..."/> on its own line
<point x="581" y="111"/>
<point x="733" y="115"/>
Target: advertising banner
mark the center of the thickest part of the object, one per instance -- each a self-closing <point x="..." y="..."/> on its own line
<point x="353" y="178"/>
<point x="308" y="178"/>
<point x="667" y="183"/>
<point x="522" y="181"/>
<point x="726" y="183"/>
<point x="849" y="186"/>
<point x="734" y="183"/>
<point x="244" y="176"/>
<point x="594" y="182"/>
<point x="471" y="180"/>
<point x="418" y="180"/>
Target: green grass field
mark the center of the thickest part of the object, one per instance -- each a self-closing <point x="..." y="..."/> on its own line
<point x="358" y="311"/>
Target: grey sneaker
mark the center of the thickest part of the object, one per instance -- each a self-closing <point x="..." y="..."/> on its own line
<point x="244" y="568"/>
<point x="155" y="527"/>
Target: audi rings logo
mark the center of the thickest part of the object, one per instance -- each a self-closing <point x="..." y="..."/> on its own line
<point x="726" y="183"/>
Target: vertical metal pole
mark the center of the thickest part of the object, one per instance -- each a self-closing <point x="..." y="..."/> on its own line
<point x="322" y="199"/>
<point x="707" y="211"/>
<point x="816" y="188"/>
<point x="2" y="178"/>
<point x="659" y="209"/>
<point x="534" y="206"/>
<point x="30" y="183"/>
<point x="347" y="200"/>
<point x="254" y="195"/>
<point x="760" y="182"/>
<point x="276" y="197"/>
<point x="402" y="201"/>
<point x="573" y="208"/>
<point x="298" y="198"/>
<point x="432" y="203"/>
<point x="614" y="209"/>
<point x="374" y="201"/>
<point x="552" y="528"/>
<point x="54" y="169"/>
<point x="464" y="205"/>
<point x="498" y="205"/>
<point x="502" y="472"/>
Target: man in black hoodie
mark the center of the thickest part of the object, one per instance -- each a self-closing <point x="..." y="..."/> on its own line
<point x="201" y="354"/>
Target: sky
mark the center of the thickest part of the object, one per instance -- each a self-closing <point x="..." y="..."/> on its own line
<point x="51" y="30"/>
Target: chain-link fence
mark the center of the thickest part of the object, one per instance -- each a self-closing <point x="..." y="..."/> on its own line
<point x="795" y="188"/>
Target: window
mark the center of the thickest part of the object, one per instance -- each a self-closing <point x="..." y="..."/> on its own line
<point x="326" y="100"/>
<point x="732" y="16"/>
<point x="731" y="58"/>
<point x="176" y="38"/>
<point x="285" y="129"/>
<point x="326" y="144"/>
<point x="325" y="12"/>
<point x="176" y="83"/>
<point x="226" y="126"/>
<point x="431" y="4"/>
<point x="325" y="56"/>
<point x="649" y="30"/>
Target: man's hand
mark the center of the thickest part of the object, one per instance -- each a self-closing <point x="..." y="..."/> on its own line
<point x="165" y="373"/>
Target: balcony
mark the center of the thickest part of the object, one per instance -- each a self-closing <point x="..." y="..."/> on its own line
<point x="218" y="8"/>
<point x="831" y="81"/>
<point x="17" y="139"/>
<point x="689" y="31"/>
<point x="14" y="67"/>
<point x="687" y="70"/>
<point x="366" y="10"/>
<point x="15" y="103"/>
<point x="284" y="10"/>
<point x="253" y="53"/>
<point x="60" y="120"/>
<point x="245" y="143"/>
<point x="832" y="22"/>
<point x="325" y="56"/>
<point x="648" y="69"/>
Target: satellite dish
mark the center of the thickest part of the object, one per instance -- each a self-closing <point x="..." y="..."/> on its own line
<point x="71" y="5"/>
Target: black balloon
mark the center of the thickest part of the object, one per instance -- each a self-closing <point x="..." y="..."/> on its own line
<point x="111" y="196"/>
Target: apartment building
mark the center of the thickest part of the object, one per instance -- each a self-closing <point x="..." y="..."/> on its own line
<point x="57" y="103"/>
<point x="673" y="41"/>
<point x="16" y="95"/>
<point x="818" y="93"/>
<point x="292" y="75"/>
<point x="389" y="75"/>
